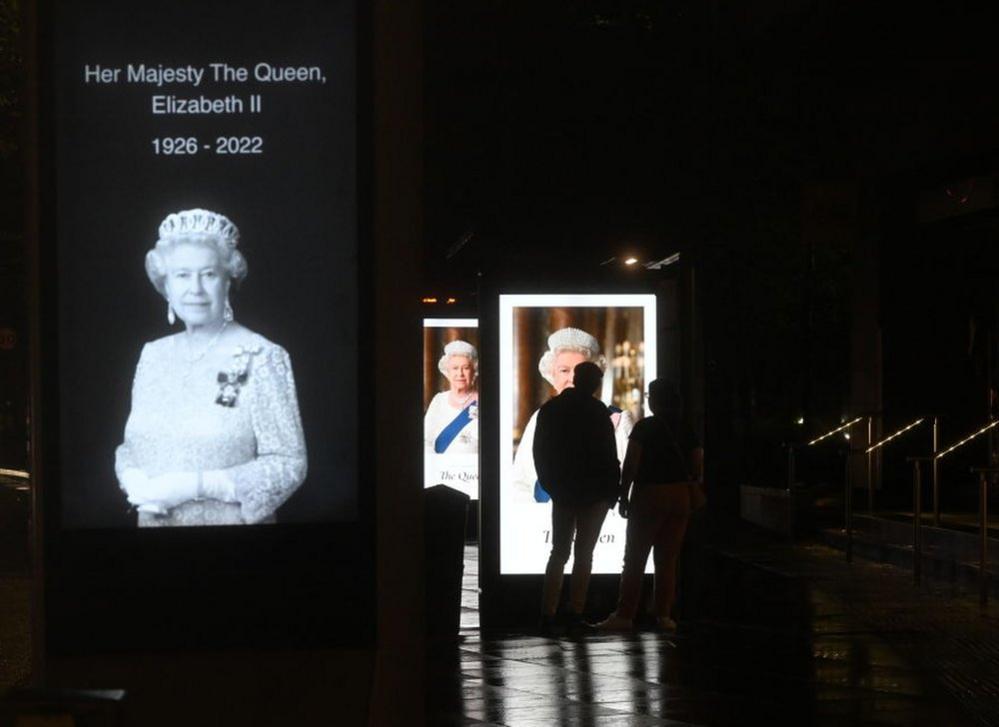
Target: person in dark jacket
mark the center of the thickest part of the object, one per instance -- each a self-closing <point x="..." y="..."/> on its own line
<point x="576" y="460"/>
<point x="664" y="460"/>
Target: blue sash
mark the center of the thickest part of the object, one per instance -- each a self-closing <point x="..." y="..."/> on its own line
<point x="540" y="493"/>
<point x="452" y="430"/>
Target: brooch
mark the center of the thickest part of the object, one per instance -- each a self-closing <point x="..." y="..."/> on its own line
<point x="232" y="380"/>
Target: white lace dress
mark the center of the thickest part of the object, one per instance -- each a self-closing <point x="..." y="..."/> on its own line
<point x="256" y="445"/>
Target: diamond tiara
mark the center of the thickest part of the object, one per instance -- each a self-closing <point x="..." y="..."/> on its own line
<point x="199" y="223"/>
<point x="574" y="338"/>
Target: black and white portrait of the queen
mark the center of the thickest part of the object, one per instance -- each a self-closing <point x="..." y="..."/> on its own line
<point x="214" y="435"/>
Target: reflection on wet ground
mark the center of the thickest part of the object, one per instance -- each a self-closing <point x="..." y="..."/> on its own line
<point x="15" y="630"/>
<point x="769" y="634"/>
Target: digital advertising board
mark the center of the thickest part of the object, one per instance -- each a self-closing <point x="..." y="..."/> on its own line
<point x="451" y="370"/>
<point x="203" y="273"/>
<point x="541" y="338"/>
<point x="206" y="227"/>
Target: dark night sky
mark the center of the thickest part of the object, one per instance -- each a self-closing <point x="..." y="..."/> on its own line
<point x="562" y="132"/>
<point x="564" y="123"/>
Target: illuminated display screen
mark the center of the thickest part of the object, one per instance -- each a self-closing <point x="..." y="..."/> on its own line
<point x="541" y="338"/>
<point x="451" y="370"/>
<point x="206" y="248"/>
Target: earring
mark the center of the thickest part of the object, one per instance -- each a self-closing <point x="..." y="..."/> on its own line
<point x="227" y="313"/>
<point x="171" y="316"/>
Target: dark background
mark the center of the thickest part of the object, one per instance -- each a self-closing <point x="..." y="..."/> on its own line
<point x="295" y="206"/>
<point x="784" y="149"/>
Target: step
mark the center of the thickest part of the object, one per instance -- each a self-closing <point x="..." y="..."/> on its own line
<point x="938" y="564"/>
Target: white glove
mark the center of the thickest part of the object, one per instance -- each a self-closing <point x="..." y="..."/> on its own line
<point x="134" y="483"/>
<point x="155" y="494"/>
<point x="133" y="480"/>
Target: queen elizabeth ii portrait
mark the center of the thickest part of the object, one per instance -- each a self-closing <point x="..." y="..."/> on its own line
<point x="567" y="347"/>
<point x="214" y="435"/>
<point x="451" y="422"/>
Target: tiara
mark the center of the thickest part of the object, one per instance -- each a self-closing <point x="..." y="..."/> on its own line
<point x="199" y="223"/>
<point x="573" y="338"/>
<point x="460" y="348"/>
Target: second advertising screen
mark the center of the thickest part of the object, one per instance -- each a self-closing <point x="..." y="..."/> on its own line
<point x="542" y="337"/>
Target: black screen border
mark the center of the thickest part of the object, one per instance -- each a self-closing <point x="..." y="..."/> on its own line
<point x="269" y="586"/>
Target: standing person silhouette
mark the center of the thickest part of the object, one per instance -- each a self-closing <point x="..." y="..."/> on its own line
<point x="576" y="460"/>
<point x="663" y="459"/>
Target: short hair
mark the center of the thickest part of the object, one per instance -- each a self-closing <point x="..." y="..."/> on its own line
<point x="570" y="339"/>
<point x="587" y="377"/>
<point x="664" y="397"/>
<point x="196" y="227"/>
<point x="459" y="348"/>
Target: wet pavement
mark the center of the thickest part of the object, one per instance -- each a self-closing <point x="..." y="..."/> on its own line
<point x="15" y="625"/>
<point x="769" y="634"/>
<point x="15" y="582"/>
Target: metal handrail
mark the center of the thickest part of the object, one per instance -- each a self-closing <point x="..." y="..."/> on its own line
<point x="848" y="507"/>
<point x="967" y="439"/>
<point x="934" y="458"/>
<point x="847" y="486"/>
<point x="838" y="429"/>
<point x="917" y="516"/>
<point x="940" y="453"/>
<point x="791" y="447"/>
<point x="983" y="532"/>
<point x="891" y="437"/>
<point x="894" y="435"/>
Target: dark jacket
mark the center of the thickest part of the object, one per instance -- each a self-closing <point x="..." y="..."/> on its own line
<point x="574" y="450"/>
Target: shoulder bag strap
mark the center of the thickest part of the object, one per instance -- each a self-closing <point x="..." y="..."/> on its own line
<point x="676" y="448"/>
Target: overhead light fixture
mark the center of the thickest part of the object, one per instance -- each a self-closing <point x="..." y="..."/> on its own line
<point x="630" y="260"/>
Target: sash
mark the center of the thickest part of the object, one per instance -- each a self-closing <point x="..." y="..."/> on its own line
<point x="540" y="493"/>
<point x="452" y="430"/>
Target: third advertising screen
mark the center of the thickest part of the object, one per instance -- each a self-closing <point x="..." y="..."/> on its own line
<point x="451" y="404"/>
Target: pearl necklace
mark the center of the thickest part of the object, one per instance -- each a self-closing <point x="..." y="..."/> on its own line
<point x="464" y="401"/>
<point x="191" y="360"/>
